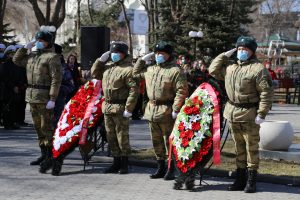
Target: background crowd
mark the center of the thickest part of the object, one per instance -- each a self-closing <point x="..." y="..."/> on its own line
<point x="13" y="84"/>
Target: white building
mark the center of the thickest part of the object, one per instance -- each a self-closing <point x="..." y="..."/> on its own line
<point x="135" y="11"/>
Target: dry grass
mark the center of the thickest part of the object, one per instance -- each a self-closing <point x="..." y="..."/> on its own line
<point x="272" y="167"/>
<point x="276" y="168"/>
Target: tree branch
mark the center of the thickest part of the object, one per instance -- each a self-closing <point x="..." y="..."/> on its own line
<point x="57" y="9"/>
<point x="48" y="11"/>
<point x="62" y="14"/>
<point x="38" y="13"/>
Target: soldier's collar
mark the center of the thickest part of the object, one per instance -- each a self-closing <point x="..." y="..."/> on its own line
<point x="253" y="60"/>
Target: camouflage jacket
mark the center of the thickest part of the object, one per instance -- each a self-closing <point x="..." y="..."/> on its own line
<point x="119" y="88"/>
<point x="165" y="84"/>
<point x="44" y="74"/>
<point x="246" y="83"/>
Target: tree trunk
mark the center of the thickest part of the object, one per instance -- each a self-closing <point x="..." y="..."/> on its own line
<point x="57" y="17"/>
<point x="2" y="12"/>
<point x="121" y="2"/>
<point x="90" y="11"/>
<point x="149" y="9"/>
<point x="155" y="21"/>
<point x="78" y="22"/>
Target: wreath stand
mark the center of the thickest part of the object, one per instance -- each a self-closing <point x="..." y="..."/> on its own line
<point x="96" y="140"/>
<point x="205" y="171"/>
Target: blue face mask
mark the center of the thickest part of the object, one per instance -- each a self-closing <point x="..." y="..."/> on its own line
<point x="159" y="59"/>
<point x="242" y="55"/>
<point x="1" y="55"/>
<point x="115" y="57"/>
<point x="39" y="45"/>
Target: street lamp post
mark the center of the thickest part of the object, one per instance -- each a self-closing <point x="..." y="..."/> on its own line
<point x="195" y="35"/>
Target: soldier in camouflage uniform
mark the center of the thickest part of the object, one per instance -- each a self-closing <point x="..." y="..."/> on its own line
<point x="249" y="89"/>
<point x="44" y="76"/>
<point x="166" y="87"/>
<point x="120" y="93"/>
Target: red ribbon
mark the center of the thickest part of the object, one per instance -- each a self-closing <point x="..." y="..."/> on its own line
<point x="216" y="129"/>
<point x="88" y="112"/>
<point x="170" y="150"/>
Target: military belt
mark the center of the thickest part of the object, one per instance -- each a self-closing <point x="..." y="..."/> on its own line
<point x="44" y="87"/>
<point x="116" y="101"/>
<point x="159" y="102"/>
<point x="243" y="105"/>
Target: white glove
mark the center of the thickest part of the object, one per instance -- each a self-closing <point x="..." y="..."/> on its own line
<point x="50" y="105"/>
<point x="148" y="56"/>
<point x="174" y="115"/>
<point x="230" y="52"/>
<point x="30" y="44"/>
<point x="104" y="56"/>
<point x="259" y="120"/>
<point x="127" y="114"/>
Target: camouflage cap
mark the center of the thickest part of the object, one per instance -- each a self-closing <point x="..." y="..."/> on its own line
<point x="248" y="42"/>
<point x="164" y="47"/>
<point x="44" y="35"/>
<point x="119" y="47"/>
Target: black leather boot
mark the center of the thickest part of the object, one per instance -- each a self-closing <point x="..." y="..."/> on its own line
<point x="240" y="180"/>
<point x="57" y="165"/>
<point x="190" y="181"/>
<point x="161" y="170"/>
<point x="124" y="165"/>
<point x="115" y="167"/>
<point x="48" y="162"/>
<point x="170" y="173"/>
<point x="41" y="158"/>
<point x="58" y="162"/>
<point x="251" y="182"/>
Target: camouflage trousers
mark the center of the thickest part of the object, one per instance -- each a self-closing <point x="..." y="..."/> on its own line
<point x="117" y="128"/>
<point x="246" y="139"/>
<point x="42" y="122"/>
<point x="160" y="133"/>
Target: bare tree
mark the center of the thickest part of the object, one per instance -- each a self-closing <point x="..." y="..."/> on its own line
<point x="127" y="22"/>
<point x="147" y="5"/>
<point x="57" y="17"/>
<point x="78" y="22"/>
<point x="152" y="12"/>
<point x="275" y="14"/>
<point x="90" y="11"/>
<point x="2" y="12"/>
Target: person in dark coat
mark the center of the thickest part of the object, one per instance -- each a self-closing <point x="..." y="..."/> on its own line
<point x="73" y="66"/>
<point x="12" y="77"/>
<point x="2" y="59"/>
<point x="66" y="88"/>
<point x="21" y="106"/>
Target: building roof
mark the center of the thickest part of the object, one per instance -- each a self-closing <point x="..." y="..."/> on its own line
<point x="288" y="44"/>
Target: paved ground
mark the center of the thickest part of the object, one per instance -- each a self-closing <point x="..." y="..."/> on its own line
<point x="18" y="180"/>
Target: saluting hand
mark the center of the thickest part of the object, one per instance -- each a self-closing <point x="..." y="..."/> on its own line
<point x="148" y="56"/>
<point x="104" y="57"/>
<point x="230" y="52"/>
<point x="30" y="44"/>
